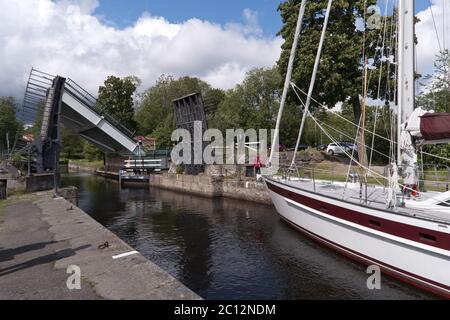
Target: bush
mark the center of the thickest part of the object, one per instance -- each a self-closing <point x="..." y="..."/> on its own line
<point x="180" y="169"/>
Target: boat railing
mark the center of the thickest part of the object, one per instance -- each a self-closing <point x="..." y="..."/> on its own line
<point x="322" y="179"/>
<point x="435" y="177"/>
<point x="431" y="177"/>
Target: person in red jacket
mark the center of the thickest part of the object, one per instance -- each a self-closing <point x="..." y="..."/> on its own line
<point x="257" y="164"/>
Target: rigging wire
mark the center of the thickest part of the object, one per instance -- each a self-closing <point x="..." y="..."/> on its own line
<point x="435" y="26"/>
<point x="337" y="114"/>
<point x="443" y="25"/>
<point x="374" y="173"/>
<point x="379" y="83"/>
<point x="313" y="78"/>
<point x="349" y="137"/>
<point x="436" y="156"/>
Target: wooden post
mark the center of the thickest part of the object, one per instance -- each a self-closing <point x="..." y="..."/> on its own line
<point x="3" y="185"/>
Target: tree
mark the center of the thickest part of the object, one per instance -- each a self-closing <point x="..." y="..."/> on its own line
<point x="116" y="97"/>
<point x="437" y="93"/>
<point x="90" y="152"/>
<point x="9" y="126"/>
<point x="71" y="145"/>
<point x="339" y="78"/>
<point x="252" y="104"/>
<point x="437" y="97"/>
<point x="155" y="112"/>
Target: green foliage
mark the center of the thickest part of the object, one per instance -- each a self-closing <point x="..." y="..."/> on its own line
<point x="437" y="97"/>
<point x="75" y="148"/>
<point x="71" y="145"/>
<point x="116" y="96"/>
<point x="91" y="152"/>
<point x="180" y="169"/>
<point x="35" y="129"/>
<point x="339" y="77"/>
<point x="8" y="122"/>
<point x="155" y="112"/>
<point x="342" y="130"/>
<point x="252" y="104"/>
<point x="437" y="93"/>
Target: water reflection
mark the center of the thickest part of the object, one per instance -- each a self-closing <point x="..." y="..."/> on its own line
<point x="226" y="249"/>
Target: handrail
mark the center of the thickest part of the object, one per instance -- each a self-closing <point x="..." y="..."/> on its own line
<point x="87" y="99"/>
<point x="311" y="174"/>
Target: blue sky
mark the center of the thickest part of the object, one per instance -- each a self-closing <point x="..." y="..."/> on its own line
<point x="124" y="13"/>
<point x="98" y="38"/>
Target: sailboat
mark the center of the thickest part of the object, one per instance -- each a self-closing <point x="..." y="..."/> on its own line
<point x="403" y="231"/>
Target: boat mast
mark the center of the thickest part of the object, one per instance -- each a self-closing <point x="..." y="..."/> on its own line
<point x="406" y="79"/>
<point x="312" y="82"/>
<point x="288" y="77"/>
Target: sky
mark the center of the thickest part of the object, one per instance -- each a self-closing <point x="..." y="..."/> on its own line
<point x="125" y="13"/>
<point x="218" y="41"/>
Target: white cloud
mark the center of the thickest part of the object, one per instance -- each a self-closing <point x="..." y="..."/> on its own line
<point x="428" y="44"/>
<point x="65" y="38"/>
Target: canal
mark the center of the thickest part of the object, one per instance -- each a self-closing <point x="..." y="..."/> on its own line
<point x="227" y="249"/>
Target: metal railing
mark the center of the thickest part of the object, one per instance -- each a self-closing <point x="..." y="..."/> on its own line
<point x="320" y="178"/>
<point x="87" y="99"/>
<point x="35" y="95"/>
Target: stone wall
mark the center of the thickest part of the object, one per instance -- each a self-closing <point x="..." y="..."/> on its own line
<point x="212" y="186"/>
<point x="246" y="190"/>
<point x="15" y="185"/>
<point x="39" y="182"/>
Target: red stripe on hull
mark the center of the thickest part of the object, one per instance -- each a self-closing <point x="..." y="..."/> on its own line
<point x="409" y="232"/>
<point x="386" y="269"/>
<point x="364" y="220"/>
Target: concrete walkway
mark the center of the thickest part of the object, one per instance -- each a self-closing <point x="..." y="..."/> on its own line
<point x="40" y="237"/>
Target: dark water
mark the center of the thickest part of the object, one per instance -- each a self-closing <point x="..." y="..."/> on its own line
<point x="226" y="249"/>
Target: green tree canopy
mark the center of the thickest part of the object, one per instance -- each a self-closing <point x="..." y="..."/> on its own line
<point x="252" y="104"/>
<point x="71" y="145"/>
<point x="155" y="112"/>
<point x="339" y="77"/>
<point x="437" y="89"/>
<point x="116" y="96"/>
<point x="8" y="122"/>
<point x="437" y="97"/>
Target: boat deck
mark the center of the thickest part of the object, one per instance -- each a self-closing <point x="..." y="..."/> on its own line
<point x="376" y="197"/>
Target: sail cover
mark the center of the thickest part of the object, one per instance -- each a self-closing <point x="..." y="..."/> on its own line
<point x="435" y="126"/>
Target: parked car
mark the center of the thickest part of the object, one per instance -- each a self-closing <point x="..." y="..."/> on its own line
<point x="322" y="147"/>
<point x="337" y="148"/>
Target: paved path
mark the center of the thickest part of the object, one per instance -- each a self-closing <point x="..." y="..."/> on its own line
<point x="40" y="237"/>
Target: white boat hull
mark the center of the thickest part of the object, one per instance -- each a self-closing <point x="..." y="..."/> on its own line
<point x="422" y="265"/>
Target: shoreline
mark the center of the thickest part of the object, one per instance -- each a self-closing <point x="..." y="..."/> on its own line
<point x="205" y="186"/>
<point x="60" y="235"/>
